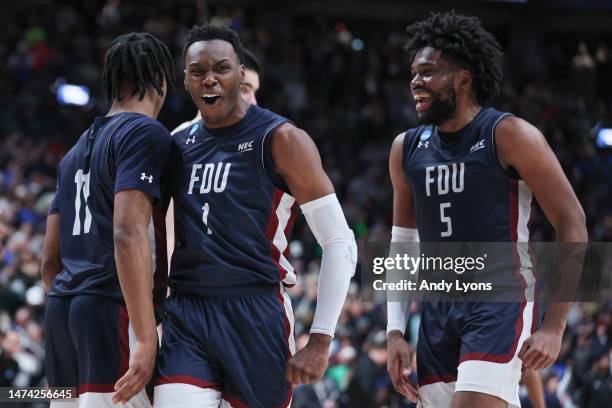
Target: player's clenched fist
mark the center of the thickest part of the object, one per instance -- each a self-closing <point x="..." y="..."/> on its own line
<point x="541" y="349"/>
<point x="398" y="365"/>
<point x="309" y="364"/>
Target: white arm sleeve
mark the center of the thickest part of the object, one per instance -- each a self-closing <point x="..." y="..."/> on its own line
<point x="397" y="312"/>
<point x="327" y="223"/>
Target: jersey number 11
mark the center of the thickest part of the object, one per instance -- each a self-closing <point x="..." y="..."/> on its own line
<point x="82" y="181"/>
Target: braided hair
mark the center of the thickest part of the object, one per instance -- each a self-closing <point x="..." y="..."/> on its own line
<point x="137" y="59"/>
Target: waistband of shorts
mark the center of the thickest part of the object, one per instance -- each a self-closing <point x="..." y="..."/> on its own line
<point x="229" y="290"/>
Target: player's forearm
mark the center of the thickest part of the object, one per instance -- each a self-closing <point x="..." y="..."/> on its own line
<point x="337" y="268"/>
<point x="556" y="317"/>
<point x="572" y="228"/>
<point x="51" y="258"/>
<point x="51" y="266"/>
<point x="571" y="237"/>
<point x="133" y="258"/>
<point x="327" y="223"/>
<point x="404" y="241"/>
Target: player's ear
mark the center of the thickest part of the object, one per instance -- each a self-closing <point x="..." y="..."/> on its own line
<point x="465" y="78"/>
<point x="242" y="73"/>
<point x="185" y="79"/>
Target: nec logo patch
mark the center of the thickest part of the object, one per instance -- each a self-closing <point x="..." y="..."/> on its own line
<point x="477" y="146"/>
<point x="245" y="147"/>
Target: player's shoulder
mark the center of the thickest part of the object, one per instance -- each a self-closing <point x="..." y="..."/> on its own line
<point x="513" y="132"/>
<point x="68" y="157"/>
<point x="139" y="128"/>
<point x="262" y="117"/>
<point x="146" y="122"/>
<point x="187" y="126"/>
<point x="508" y="123"/>
<point x="410" y="135"/>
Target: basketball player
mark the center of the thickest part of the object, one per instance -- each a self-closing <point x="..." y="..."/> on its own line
<point x="471" y="354"/>
<point x="248" y="87"/>
<point x="238" y="176"/>
<point x="98" y="255"/>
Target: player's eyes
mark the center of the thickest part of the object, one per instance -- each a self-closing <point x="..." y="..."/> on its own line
<point x="425" y="73"/>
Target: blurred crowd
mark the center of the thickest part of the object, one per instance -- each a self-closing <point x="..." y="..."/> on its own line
<point x="346" y="84"/>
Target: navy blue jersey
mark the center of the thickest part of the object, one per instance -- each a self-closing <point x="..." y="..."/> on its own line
<point x="461" y="192"/>
<point x="232" y="211"/>
<point x="124" y="151"/>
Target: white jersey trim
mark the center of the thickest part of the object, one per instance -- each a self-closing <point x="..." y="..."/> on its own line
<point x="283" y="213"/>
<point x="185" y="125"/>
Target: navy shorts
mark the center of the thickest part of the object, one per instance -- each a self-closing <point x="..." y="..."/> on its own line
<point x="237" y="345"/>
<point x="86" y="342"/>
<point x="472" y="346"/>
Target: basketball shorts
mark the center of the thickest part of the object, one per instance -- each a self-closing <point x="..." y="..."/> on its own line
<point x="471" y="346"/>
<point x="226" y="350"/>
<point x="87" y="346"/>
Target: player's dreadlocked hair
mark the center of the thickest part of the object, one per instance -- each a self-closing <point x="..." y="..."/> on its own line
<point x="137" y="59"/>
<point x="462" y="39"/>
<point x="209" y="32"/>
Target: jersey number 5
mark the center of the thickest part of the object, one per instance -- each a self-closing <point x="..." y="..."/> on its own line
<point x="82" y="181"/>
<point x="446" y="220"/>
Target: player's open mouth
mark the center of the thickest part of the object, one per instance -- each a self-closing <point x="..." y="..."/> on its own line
<point x="423" y="102"/>
<point x="211" y="99"/>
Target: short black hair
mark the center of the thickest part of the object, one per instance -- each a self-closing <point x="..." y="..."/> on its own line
<point x="138" y="59"/>
<point x="208" y="32"/>
<point x="251" y="62"/>
<point x="466" y="42"/>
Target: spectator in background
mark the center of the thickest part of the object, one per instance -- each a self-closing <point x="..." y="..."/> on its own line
<point x="369" y="386"/>
<point x="9" y="368"/>
<point x="598" y="382"/>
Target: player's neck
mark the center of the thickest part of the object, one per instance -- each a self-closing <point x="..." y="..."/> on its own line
<point x="144" y="107"/>
<point x="149" y="105"/>
<point x="464" y="114"/>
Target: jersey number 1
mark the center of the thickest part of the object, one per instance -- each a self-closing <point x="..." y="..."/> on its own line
<point x="205" y="210"/>
<point x="82" y="181"/>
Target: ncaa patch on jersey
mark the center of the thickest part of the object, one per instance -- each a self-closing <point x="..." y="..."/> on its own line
<point x="426" y="134"/>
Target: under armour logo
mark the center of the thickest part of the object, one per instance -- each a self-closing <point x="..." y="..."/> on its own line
<point x="423" y="144"/>
<point x="144" y="177"/>
<point x="190" y="140"/>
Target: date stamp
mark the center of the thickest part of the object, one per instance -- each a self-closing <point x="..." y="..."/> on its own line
<point x="33" y="394"/>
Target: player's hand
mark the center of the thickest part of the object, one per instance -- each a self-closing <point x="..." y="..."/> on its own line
<point x="398" y="365"/>
<point x="541" y="349"/>
<point x="309" y="364"/>
<point x="139" y="372"/>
